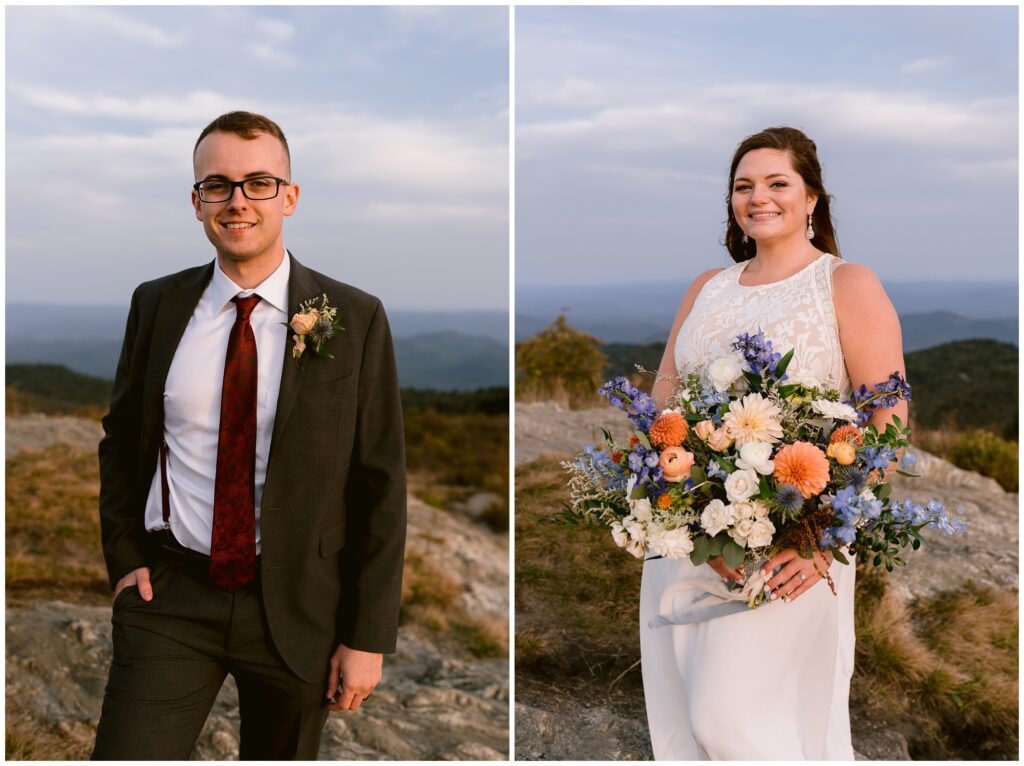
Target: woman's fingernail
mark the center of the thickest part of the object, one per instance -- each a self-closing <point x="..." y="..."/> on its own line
<point x="741" y="581"/>
<point x="774" y="596"/>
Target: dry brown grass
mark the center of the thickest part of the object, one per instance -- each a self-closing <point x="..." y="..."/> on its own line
<point x="430" y="598"/>
<point x="944" y="668"/>
<point x="28" y="738"/>
<point x="52" y="524"/>
<point x="576" y="594"/>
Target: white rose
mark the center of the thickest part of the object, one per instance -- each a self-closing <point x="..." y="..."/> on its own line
<point x="636" y="549"/>
<point x="756" y="456"/>
<point x="715" y="518"/>
<point x="671" y="543"/>
<point x="619" y="534"/>
<point x="641" y="509"/>
<point x="760" y="509"/>
<point x="760" y="534"/>
<point x="835" y="410"/>
<point x="740" y="532"/>
<point x="723" y="372"/>
<point x="741" y="485"/>
<point x="742" y="510"/>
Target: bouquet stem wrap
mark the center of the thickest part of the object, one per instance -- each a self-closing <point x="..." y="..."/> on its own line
<point x="689" y="601"/>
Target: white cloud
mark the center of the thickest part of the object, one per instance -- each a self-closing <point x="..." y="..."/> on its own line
<point x="191" y="108"/>
<point x="126" y="27"/>
<point x="926" y="65"/>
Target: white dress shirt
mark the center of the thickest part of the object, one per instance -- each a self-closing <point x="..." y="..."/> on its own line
<point x="192" y="397"/>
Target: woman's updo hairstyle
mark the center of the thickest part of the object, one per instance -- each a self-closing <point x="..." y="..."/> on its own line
<point x="804" y="156"/>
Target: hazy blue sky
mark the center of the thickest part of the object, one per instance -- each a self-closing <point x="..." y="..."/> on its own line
<point x="627" y="118"/>
<point x="397" y="118"/>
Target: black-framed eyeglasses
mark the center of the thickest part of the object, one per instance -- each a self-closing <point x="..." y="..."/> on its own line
<point x="258" y="188"/>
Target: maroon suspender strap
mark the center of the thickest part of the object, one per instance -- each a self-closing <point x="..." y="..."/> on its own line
<point x="164" y="490"/>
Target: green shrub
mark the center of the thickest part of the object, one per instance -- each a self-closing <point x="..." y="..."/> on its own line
<point x="989" y="455"/>
<point x="560" y="363"/>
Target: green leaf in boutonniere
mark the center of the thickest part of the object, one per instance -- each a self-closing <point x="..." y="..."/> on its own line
<point x="315" y="323"/>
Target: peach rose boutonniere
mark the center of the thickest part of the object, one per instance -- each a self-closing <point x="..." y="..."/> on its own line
<point x="316" y="323"/>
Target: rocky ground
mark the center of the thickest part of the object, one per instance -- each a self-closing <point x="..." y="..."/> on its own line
<point x="436" y="701"/>
<point x="552" y="724"/>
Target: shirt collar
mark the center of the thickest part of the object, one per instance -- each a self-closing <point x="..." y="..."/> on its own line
<point x="272" y="290"/>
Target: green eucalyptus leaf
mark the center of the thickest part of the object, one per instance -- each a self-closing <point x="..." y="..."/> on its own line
<point x="838" y="555"/>
<point x="733" y="554"/>
<point x="701" y="550"/>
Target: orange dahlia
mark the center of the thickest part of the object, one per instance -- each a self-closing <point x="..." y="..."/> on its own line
<point x="804" y="466"/>
<point x="669" y="430"/>
<point x="850" y="434"/>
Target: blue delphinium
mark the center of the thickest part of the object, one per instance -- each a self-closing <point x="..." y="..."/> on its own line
<point x="881" y="396"/>
<point x="877" y="457"/>
<point x="598" y="465"/>
<point x="758" y="353"/>
<point x="909" y="461"/>
<point x="715" y="471"/>
<point x="639" y="406"/>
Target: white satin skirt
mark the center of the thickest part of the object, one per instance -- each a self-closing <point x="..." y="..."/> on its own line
<point x="765" y="684"/>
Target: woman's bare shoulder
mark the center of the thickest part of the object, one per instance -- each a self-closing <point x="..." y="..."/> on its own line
<point x="857" y="285"/>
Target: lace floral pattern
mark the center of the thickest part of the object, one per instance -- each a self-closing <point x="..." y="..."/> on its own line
<point x="796" y="312"/>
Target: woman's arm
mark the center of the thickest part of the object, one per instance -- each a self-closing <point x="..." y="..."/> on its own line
<point x="662" y="389"/>
<point x="869" y="331"/>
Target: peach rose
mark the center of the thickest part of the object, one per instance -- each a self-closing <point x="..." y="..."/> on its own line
<point x="719" y="440"/>
<point x="704" y="429"/>
<point x="843" y="453"/>
<point x="300" y="346"/>
<point x="676" y="463"/>
<point x="303" y="323"/>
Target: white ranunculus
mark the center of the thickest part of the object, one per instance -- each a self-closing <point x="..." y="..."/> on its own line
<point x="723" y="372"/>
<point x="671" y="543"/>
<point x="741" y="531"/>
<point x="641" y="509"/>
<point x="742" y="510"/>
<point x="756" y="456"/>
<point x="716" y="517"/>
<point x="760" y="533"/>
<point x="637" y="549"/>
<point x="760" y="509"/>
<point x="619" y="534"/>
<point x="741" y="485"/>
<point x="835" y="410"/>
<point x="805" y="379"/>
<point x="635" y="530"/>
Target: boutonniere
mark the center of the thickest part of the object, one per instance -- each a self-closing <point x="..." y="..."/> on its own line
<point x="317" y="322"/>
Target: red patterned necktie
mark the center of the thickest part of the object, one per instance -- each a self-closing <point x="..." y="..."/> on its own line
<point x="233" y="546"/>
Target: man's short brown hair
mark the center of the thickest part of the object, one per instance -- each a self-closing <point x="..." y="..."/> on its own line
<point x="248" y="126"/>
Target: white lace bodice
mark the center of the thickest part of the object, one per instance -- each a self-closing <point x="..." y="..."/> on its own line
<point x="796" y="312"/>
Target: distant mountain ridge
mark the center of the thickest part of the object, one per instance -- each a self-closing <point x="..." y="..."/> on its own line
<point x="449" y="350"/>
<point x="931" y="312"/>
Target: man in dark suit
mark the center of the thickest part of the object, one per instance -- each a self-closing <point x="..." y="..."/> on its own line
<point x="252" y="498"/>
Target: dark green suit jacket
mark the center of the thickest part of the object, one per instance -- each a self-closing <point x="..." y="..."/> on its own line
<point x="332" y="518"/>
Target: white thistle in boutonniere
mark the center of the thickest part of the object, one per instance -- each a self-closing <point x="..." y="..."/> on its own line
<point x="317" y="322"/>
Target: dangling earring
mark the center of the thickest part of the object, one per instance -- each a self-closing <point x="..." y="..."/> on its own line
<point x="745" y="240"/>
<point x="810" y="228"/>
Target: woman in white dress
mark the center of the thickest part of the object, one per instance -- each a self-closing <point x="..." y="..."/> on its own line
<point x="771" y="683"/>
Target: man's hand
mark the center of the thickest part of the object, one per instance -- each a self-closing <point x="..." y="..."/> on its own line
<point x="138" y="577"/>
<point x="359" y="673"/>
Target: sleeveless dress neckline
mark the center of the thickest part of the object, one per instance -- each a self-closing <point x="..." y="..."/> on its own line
<point x="782" y="281"/>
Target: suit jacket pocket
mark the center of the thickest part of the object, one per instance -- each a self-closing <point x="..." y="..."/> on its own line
<point x="332" y="539"/>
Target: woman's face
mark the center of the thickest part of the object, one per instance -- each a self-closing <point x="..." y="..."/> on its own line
<point x="769" y="198"/>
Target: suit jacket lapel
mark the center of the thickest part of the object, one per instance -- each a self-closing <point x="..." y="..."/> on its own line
<point x="177" y="303"/>
<point x="301" y="287"/>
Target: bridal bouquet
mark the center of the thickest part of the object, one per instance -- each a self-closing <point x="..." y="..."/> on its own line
<point x="747" y="461"/>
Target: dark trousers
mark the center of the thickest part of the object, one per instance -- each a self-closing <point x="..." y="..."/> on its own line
<point x="171" y="656"/>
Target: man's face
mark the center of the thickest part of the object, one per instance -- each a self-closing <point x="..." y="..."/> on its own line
<point x="242" y="229"/>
